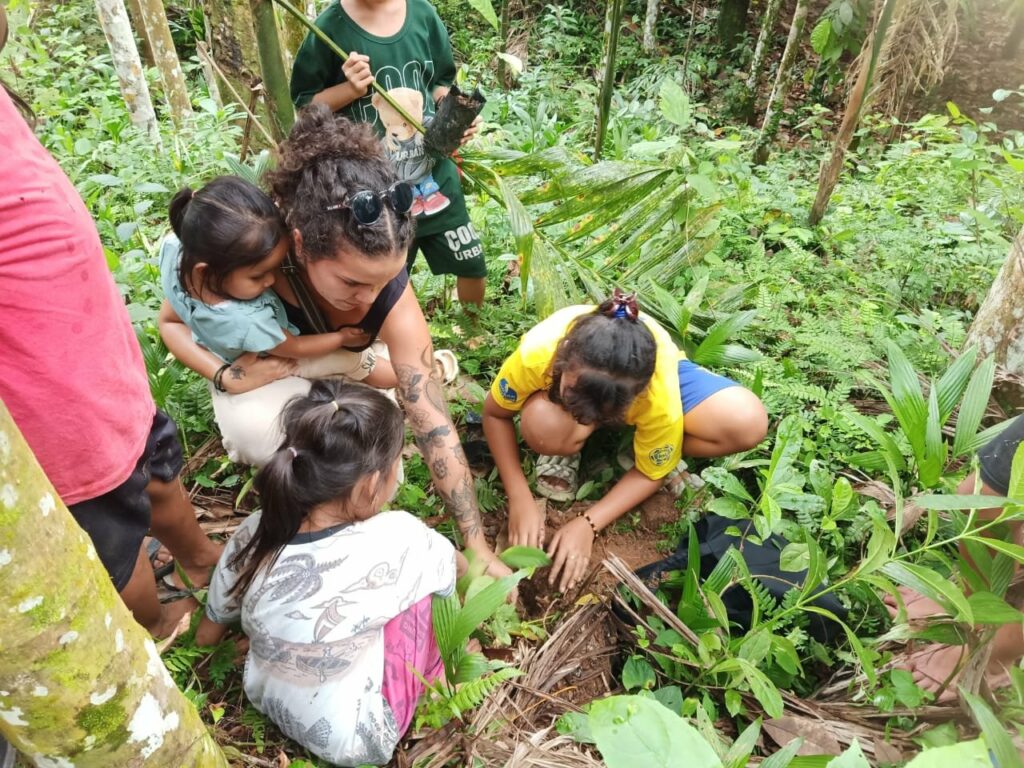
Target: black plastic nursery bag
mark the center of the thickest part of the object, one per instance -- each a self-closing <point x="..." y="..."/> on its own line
<point x="454" y="115"/>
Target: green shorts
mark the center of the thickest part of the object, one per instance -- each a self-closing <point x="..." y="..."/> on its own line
<point x="456" y="251"/>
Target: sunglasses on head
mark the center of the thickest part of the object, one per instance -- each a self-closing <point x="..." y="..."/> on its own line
<point x="367" y="205"/>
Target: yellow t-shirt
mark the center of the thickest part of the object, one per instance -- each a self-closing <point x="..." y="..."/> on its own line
<point x="657" y="412"/>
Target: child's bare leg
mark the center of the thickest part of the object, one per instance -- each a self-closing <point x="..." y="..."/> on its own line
<point x="727" y="422"/>
<point x="174" y="524"/>
<point x="550" y="430"/>
<point x="139" y="595"/>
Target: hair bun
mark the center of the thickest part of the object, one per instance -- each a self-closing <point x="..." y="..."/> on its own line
<point x="621" y="305"/>
<point x="178" y="207"/>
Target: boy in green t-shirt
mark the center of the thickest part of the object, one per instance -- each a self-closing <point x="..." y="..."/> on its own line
<point x="404" y="44"/>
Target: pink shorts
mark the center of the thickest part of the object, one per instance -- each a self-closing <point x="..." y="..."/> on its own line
<point x="409" y="643"/>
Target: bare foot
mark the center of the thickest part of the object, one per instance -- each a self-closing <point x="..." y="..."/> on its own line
<point x="473" y="645"/>
<point x="174" y="618"/>
<point x="163" y="555"/>
<point x="200" y="571"/>
<point x="936" y="667"/>
<point x="918" y="606"/>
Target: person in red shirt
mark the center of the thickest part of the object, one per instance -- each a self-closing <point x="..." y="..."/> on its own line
<point x="74" y="380"/>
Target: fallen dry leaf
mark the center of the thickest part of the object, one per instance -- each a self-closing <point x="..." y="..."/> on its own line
<point x="817" y="739"/>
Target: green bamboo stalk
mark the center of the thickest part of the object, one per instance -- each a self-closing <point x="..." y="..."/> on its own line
<point x="344" y="57"/>
<point x="612" y="26"/>
<point x="275" y="79"/>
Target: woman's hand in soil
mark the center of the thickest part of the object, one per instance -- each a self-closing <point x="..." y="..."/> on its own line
<point x="357" y="72"/>
<point x="570" y="551"/>
<point x="471" y="131"/>
<point x="250" y="371"/>
<point x="525" y="523"/>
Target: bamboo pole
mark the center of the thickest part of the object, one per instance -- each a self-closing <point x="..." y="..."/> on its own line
<point x="612" y="27"/>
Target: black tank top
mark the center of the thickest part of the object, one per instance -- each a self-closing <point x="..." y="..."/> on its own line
<point x="308" y="318"/>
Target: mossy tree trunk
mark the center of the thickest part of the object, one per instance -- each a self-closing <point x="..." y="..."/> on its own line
<point x="612" y="28"/>
<point x="732" y="21"/>
<point x="650" y="20"/>
<point x="783" y="81"/>
<point x="292" y="34"/>
<point x="753" y="83"/>
<point x="125" y="55"/>
<point x="81" y="684"/>
<point x="231" y="39"/>
<point x="134" y="8"/>
<point x="158" y="33"/>
<point x="275" y="79"/>
<point x="998" y="328"/>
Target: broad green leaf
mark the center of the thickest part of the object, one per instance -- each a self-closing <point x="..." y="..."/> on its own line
<point x="602" y="206"/>
<point x="973" y="405"/>
<point x="943" y="502"/>
<point x="817" y="567"/>
<point x="934" y="459"/>
<point x="524" y="557"/>
<point x="482" y="606"/>
<point x="989" y="609"/>
<point x="722" y="479"/>
<point x="472" y="666"/>
<point x="907" y="402"/>
<point x="950" y="387"/>
<point x="784" y="756"/>
<point x="710" y="347"/>
<point x="972" y="444"/>
<point x="794" y="557"/>
<point x="742" y="748"/>
<point x="1012" y="550"/>
<point x="880" y="547"/>
<point x="727" y="506"/>
<point x="995" y="735"/>
<point x="967" y="754"/>
<point x="637" y="673"/>
<point x="1016" y="487"/>
<point x="522" y="230"/>
<point x="933" y="586"/>
<point x="485" y="9"/>
<point x="764" y="690"/>
<point x="633" y="730"/>
<point x="893" y="458"/>
<point x="820" y="35"/>
<point x="853" y="757"/>
<point x="514" y="63"/>
<point x="755" y="646"/>
<point x="842" y="496"/>
<point x="675" y="104"/>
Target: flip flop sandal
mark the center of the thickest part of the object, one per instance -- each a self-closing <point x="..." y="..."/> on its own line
<point x="447" y="365"/>
<point x="564" y="468"/>
<point x="152" y="549"/>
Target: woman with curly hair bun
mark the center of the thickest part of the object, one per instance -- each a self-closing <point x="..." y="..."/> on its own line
<point x="351" y="225"/>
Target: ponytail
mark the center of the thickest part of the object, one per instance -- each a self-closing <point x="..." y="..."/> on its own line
<point x="334" y="436"/>
<point x="613" y="354"/>
<point x="179" y="204"/>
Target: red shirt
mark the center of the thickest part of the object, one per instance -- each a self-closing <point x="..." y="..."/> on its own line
<point x="71" y="372"/>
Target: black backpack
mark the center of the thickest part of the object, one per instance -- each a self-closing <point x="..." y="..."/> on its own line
<point x="763" y="561"/>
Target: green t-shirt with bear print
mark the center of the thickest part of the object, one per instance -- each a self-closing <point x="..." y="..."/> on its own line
<point x="410" y="65"/>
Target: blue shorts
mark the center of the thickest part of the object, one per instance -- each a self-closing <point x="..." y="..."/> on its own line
<point x="697" y="384"/>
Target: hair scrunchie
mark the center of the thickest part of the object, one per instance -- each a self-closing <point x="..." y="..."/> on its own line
<point x="624" y="305"/>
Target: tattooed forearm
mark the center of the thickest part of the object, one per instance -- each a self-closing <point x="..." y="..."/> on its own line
<point x="422" y="397"/>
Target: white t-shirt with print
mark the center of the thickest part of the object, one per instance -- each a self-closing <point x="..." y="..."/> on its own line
<point x="316" y="620"/>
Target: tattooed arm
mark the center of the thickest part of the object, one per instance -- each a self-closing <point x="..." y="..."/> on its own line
<point x="246" y="373"/>
<point x="422" y="397"/>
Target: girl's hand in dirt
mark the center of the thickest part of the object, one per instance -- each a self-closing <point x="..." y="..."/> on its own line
<point x="471" y="131"/>
<point x="569" y="551"/>
<point x="250" y="371"/>
<point x="357" y="72"/>
<point x="525" y="523"/>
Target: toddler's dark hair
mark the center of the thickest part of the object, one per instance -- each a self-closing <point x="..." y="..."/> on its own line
<point x="613" y="354"/>
<point x="335" y="435"/>
<point x="323" y="161"/>
<point x="228" y="224"/>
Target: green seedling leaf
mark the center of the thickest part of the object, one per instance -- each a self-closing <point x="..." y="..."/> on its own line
<point x="989" y="609"/>
<point x="524" y="557"/>
<point x="637" y="673"/>
<point x="486" y="9"/>
<point x="933" y="586"/>
<point x="968" y="754"/>
<point x="851" y="758"/>
<point x="995" y="735"/>
<point x="633" y="730"/>
<point x="675" y="104"/>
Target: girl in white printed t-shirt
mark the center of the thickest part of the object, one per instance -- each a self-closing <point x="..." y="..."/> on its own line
<point x="333" y="593"/>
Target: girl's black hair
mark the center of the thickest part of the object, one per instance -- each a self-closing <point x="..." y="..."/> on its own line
<point x="227" y="225"/>
<point x="613" y="354"/>
<point x="324" y="160"/>
<point x="325" y="452"/>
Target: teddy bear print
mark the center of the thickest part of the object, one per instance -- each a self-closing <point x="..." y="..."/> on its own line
<point x="404" y="145"/>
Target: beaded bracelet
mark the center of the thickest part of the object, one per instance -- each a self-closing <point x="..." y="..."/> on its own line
<point x="218" y="378"/>
<point x="586" y="516"/>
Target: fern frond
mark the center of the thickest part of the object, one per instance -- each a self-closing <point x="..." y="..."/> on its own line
<point x="471" y="695"/>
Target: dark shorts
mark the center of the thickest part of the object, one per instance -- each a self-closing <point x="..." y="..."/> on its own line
<point x="995" y="459"/>
<point x="118" y="520"/>
<point x="697" y="384"/>
<point x="456" y="251"/>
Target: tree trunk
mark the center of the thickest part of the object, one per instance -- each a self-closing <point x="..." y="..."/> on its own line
<point x="231" y="39"/>
<point x="649" y="21"/>
<point x="158" y="32"/>
<point x="998" y="328"/>
<point x="732" y="21"/>
<point x="275" y="80"/>
<point x="135" y="16"/>
<point x="612" y="27"/>
<point x="753" y="84"/>
<point x="783" y="80"/>
<point x="125" y="55"/>
<point x="292" y="36"/>
<point x="80" y="682"/>
<point x="833" y="167"/>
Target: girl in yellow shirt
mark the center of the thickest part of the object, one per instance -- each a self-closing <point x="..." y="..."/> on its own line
<point x="586" y="367"/>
